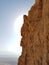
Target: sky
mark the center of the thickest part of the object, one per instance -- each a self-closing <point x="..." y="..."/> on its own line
<point x="11" y="21"/>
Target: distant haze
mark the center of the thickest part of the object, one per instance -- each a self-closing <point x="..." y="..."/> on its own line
<point x="8" y="60"/>
<point x="11" y="23"/>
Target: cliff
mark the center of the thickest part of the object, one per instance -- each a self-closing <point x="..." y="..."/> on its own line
<point x="35" y="35"/>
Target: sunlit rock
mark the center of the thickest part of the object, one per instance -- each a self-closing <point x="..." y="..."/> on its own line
<point x="35" y="35"/>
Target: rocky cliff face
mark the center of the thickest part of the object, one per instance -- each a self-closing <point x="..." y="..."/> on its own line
<point x="35" y="35"/>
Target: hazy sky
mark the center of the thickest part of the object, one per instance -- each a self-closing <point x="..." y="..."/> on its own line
<point x="11" y="12"/>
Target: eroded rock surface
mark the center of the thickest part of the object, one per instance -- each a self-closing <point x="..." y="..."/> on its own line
<point x="35" y="35"/>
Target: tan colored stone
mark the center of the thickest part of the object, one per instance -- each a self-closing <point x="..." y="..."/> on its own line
<point x="35" y="35"/>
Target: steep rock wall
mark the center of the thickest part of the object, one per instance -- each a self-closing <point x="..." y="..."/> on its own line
<point x="35" y="35"/>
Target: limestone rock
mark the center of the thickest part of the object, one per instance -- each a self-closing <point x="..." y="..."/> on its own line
<point x="35" y="35"/>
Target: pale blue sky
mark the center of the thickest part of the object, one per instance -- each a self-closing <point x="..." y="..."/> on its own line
<point x="9" y="11"/>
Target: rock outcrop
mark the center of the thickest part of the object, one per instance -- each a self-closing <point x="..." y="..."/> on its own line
<point x="35" y="35"/>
